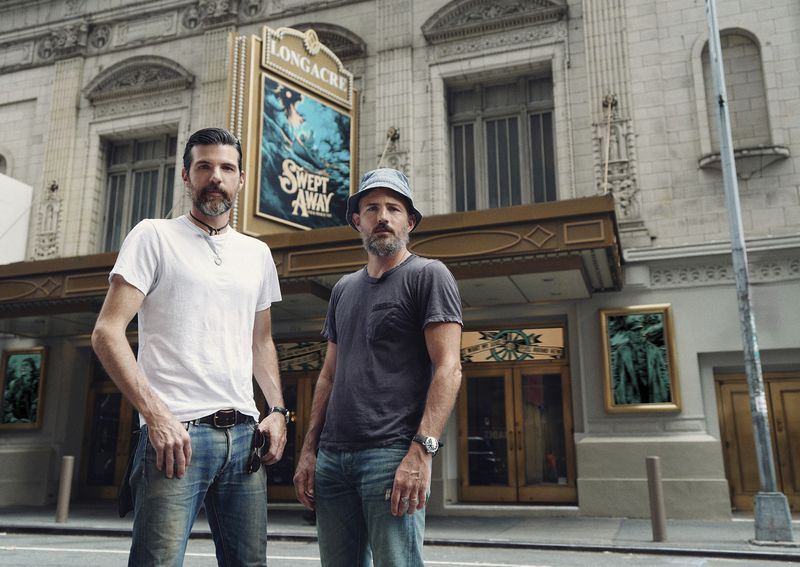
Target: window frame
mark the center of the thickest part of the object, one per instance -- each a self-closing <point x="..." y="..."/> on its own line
<point x="164" y="166"/>
<point x="479" y="118"/>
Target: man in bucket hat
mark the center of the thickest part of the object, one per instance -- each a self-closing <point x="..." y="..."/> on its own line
<point x="388" y="384"/>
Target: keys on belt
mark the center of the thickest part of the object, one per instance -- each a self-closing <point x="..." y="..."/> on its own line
<point x="224" y="418"/>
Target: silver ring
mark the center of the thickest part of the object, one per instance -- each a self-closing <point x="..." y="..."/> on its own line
<point x="404" y="499"/>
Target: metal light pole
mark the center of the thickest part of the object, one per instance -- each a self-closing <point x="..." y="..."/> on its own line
<point x="772" y="519"/>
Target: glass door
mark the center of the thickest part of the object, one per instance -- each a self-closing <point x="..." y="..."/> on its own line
<point x="486" y="436"/>
<point x="515" y="434"/>
<point x="545" y="463"/>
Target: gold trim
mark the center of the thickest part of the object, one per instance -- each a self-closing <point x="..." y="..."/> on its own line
<point x="669" y="343"/>
<point x="570" y="225"/>
<point x="417" y="245"/>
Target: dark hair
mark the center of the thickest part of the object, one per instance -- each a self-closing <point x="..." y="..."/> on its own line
<point x="210" y="137"/>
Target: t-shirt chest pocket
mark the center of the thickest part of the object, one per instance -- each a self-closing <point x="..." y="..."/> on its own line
<point x="385" y="319"/>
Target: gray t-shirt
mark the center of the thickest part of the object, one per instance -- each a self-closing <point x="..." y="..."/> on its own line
<point x="382" y="365"/>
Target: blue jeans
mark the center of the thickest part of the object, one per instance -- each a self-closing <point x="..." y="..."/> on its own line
<point x="235" y="501"/>
<point x="354" y="517"/>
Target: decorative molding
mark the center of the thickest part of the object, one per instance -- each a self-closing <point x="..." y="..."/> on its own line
<point x="137" y="105"/>
<point x="146" y="29"/>
<point x="467" y="18"/>
<point x="721" y="272"/>
<point x="344" y="43"/>
<point x="147" y="74"/>
<point x="538" y="35"/>
<point x="753" y="245"/>
<point x="13" y="290"/>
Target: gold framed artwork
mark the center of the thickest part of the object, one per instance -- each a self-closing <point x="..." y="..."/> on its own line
<point x="23" y="386"/>
<point x="639" y="369"/>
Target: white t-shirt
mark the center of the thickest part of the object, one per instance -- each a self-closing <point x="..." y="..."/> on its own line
<point x="196" y="321"/>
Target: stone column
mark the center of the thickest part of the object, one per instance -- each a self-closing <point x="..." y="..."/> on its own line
<point x="58" y="191"/>
<point x="394" y="92"/>
<point x="614" y="137"/>
<point x="214" y="79"/>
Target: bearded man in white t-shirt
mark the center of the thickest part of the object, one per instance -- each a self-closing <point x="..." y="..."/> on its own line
<point x="202" y="293"/>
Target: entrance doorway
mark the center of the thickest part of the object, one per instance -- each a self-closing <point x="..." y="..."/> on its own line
<point x="110" y="422"/>
<point x="782" y="391"/>
<point x="515" y="434"/>
<point x="298" y="389"/>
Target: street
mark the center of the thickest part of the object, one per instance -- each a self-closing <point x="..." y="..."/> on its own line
<point x="18" y="550"/>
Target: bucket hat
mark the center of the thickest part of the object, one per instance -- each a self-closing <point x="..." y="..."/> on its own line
<point x="386" y="178"/>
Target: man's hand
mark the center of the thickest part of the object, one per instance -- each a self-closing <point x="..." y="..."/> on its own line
<point x="411" y="481"/>
<point x="274" y="427"/>
<point x="304" y="478"/>
<point x="169" y="438"/>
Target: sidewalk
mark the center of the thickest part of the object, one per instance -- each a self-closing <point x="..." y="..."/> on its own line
<point x="730" y="539"/>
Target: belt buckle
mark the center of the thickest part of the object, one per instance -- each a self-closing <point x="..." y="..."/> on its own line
<point x="224" y="419"/>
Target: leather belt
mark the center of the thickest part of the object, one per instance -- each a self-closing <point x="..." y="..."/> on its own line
<point x="224" y="418"/>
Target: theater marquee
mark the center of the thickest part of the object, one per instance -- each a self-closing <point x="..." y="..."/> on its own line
<point x="299" y="127"/>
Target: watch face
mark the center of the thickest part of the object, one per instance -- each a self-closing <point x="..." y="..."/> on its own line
<point x="431" y="444"/>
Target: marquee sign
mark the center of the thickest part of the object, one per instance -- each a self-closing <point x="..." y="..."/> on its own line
<point x="302" y="133"/>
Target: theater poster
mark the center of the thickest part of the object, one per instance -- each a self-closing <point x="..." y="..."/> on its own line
<point x="291" y="102"/>
<point x="305" y="157"/>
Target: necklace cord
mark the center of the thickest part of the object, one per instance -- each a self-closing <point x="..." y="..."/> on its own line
<point x="211" y="230"/>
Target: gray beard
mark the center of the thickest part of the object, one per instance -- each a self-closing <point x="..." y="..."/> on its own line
<point x="385" y="247"/>
<point x="212" y="208"/>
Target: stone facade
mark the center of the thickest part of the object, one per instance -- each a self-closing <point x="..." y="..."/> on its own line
<point x="631" y="116"/>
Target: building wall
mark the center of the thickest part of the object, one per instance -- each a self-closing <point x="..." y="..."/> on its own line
<point x="673" y="220"/>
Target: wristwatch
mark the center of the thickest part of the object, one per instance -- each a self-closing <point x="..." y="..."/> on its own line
<point x="278" y="409"/>
<point x="431" y="444"/>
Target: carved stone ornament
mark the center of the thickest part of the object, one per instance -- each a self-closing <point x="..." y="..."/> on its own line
<point x="64" y="42"/>
<point x="138" y="76"/>
<point x="191" y="17"/>
<point x="251" y="8"/>
<point x="344" y="43"/>
<point x="99" y="37"/>
<point x="615" y="141"/>
<point x="48" y="221"/>
<point x="463" y="18"/>
<point x="217" y="12"/>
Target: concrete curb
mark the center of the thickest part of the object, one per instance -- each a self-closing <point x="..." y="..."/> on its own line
<point x="770" y="554"/>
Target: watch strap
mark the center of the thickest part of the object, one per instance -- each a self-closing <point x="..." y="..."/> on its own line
<point x="278" y="409"/>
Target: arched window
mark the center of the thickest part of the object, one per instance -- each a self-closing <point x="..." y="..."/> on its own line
<point x="3" y="164"/>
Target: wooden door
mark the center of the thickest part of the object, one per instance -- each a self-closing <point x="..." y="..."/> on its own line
<point x="784" y="393"/>
<point x="110" y="420"/>
<point x="736" y="428"/>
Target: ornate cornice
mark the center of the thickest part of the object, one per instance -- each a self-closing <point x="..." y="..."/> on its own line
<point x="465" y="18"/>
<point x="148" y="74"/>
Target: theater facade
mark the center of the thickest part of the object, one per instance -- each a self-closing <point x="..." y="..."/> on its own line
<point x="566" y="160"/>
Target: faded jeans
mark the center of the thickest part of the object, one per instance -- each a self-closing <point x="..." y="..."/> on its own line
<point x="354" y="518"/>
<point x="235" y="501"/>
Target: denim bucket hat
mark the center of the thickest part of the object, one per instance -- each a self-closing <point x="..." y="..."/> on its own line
<point x="386" y="178"/>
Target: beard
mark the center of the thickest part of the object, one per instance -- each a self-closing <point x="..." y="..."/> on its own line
<point x="212" y="201"/>
<point x="385" y="244"/>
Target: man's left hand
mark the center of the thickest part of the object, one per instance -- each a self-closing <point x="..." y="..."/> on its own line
<point x="411" y="481"/>
<point x="274" y="427"/>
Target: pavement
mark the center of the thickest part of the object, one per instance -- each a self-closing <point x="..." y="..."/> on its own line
<point x="504" y="527"/>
